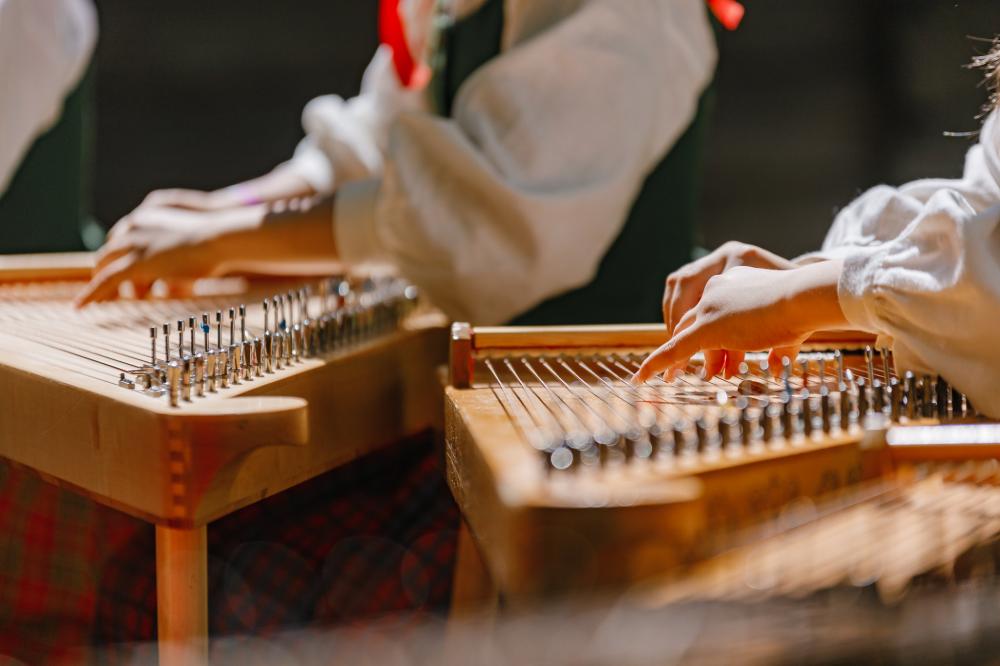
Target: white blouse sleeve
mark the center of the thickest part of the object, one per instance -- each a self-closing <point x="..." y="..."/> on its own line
<point x="44" y="50"/>
<point x="519" y="195"/>
<point x="924" y="271"/>
<point x="346" y="140"/>
<point x="883" y="212"/>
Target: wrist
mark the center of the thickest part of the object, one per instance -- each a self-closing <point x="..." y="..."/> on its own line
<point x="812" y="300"/>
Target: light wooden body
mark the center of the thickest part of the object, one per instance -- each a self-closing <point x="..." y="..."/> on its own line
<point x="182" y="467"/>
<point x="190" y="465"/>
<point x="540" y="536"/>
<point x="542" y="532"/>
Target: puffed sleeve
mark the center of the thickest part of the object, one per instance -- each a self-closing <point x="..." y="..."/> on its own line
<point x="882" y="213"/>
<point x="44" y="50"/>
<point x="518" y="196"/>
<point x="934" y="292"/>
<point x="346" y="140"/>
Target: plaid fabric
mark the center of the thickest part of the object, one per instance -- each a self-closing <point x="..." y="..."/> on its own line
<point x="374" y="537"/>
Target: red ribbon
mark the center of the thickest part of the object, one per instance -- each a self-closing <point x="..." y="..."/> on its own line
<point x="729" y="12"/>
<point x="393" y="34"/>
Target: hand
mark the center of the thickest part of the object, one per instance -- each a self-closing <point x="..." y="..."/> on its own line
<point x="748" y="309"/>
<point x="686" y="285"/>
<point x="153" y="243"/>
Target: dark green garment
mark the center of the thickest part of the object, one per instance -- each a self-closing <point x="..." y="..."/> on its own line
<point x="45" y="206"/>
<point x="658" y="235"/>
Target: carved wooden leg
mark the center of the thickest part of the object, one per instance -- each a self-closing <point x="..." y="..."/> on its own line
<point x="182" y="595"/>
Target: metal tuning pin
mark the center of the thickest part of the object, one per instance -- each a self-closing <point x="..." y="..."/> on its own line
<point x="210" y="371"/>
<point x="258" y="356"/>
<point x="166" y="343"/>
<point x="235" y="363"/>
<point x="173" y="383"/>
<point x="218" y="330"/>
<point x="232" y="326"/>
<point x="728" y="430"/>
<point x="152" y="340"/>
<point x="941" y="398"/>
<point x="788" y="417"/>
<point x="279" y="349"/>
<point x="247" y="359"/>
<point x="701" y="434"/>
<point x="863" y="405"/>
<point x="870" y="364"/>
<point x="222" y="368"/>
<point x="822" y="371"/>
<point x="878" y="397"/>
<point x="884" y="353"/>
<point x="205" y="329"/>
<point x="825" y="409"/>
<point x="191" y="329"/>
<point x="838" y="358"/>
<point x="186" y="378"/>
<point x="845" y="408"/>
<point x="680" y="437"/>
<point x="895" y="400"/>
<point x="767" y="421"/>
<point x="243" y="323"/>
<point x="910" y="388"/>
<point x="956" y="403"/>
<point x="786" y="375"/>
<point x="268" y="352"/>
<point x="199" y="375"/>
<point x="180" y="338"/>
<point x="806" y="413"/>
<point x="748" y="426"/>
<point x="267" y="322"/>
<point x="804" y="371"/>
<point x="927" y="398"/>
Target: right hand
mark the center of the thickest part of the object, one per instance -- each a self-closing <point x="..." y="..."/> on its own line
<point x="686" y="285"/>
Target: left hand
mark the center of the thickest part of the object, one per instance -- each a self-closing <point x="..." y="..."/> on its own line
<point x="749" y="309"/>
<point x="154" y="243"/>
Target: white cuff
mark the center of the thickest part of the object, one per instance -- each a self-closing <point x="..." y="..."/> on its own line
<point x="354" y="220"/>
<point x="856" y="285"/>
<point x="312" y="164"/>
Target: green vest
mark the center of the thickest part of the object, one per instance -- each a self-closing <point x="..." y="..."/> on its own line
<point x="45" y="206"/>
<point x="658" y="234"/>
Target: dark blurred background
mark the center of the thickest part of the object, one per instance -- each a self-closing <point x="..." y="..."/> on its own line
<point x="817" y="99"/>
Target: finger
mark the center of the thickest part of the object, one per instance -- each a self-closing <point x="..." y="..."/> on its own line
<point x="104" y="285"/>
<point x="672" y="353"/>
<point x="667" y="293"/>
<point x="778" y="354"/>
<point x="715" y="360"/>
<point x="108" y="255"/>
<point x="142" y="288"/>
<point x="733" y="361"/>
<point x="178" y="288"/>
<point x="685" y="296"/>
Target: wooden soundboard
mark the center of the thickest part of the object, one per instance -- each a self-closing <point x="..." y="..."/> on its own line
<point x="572" y="479"/>
<point x="91" y="405"/>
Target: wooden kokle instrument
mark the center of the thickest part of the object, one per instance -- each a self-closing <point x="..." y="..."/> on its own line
<point x="571" y="478"/>
<point x="181" y="411"/>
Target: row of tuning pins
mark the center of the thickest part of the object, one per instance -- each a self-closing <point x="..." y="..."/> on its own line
<point x="290" y="334"/>
<point x="819" y="404"/>
<point x="908" y="399"/>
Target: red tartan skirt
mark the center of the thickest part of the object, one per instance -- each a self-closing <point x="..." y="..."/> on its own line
<point x="372" y="538"/>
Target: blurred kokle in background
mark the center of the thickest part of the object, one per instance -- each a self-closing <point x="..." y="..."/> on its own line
<point x="45" y="124"/>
